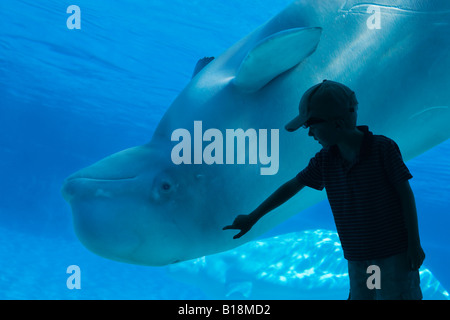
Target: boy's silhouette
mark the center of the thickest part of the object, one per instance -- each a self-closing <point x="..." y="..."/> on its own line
<point x="367" y="186"/>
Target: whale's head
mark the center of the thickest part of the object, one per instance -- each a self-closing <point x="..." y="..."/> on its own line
<point x="133" y="207"/>
<point x="145" y="206"/>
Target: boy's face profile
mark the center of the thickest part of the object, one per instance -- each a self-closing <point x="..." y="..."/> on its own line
<point x="329" y="131"/>
<point x="324" y="131"/>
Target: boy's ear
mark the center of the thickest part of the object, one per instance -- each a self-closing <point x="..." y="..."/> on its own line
<point x="344" y="124"/>
<point x="339" y="123"/>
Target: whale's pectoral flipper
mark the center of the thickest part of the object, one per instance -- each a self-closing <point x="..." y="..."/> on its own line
<point x="203" y="62"/>
<point x="275" y="55"/>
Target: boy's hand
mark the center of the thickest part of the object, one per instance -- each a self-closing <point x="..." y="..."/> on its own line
<point x="243" y="223"/>
<point x="415" y="256"/>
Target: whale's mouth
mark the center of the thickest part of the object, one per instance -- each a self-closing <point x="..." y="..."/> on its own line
<point x="99" y="179"/>
<point x="75" y="186"/>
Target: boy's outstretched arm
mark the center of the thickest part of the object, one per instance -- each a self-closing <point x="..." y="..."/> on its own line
<point x="280" y="196"/>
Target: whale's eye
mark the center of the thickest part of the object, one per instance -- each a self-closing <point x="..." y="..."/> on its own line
<point x="163" y="187"/>
<point x="166" y="186"/>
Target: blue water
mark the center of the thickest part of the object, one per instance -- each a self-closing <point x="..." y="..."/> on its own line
<point x="71" y="97"/>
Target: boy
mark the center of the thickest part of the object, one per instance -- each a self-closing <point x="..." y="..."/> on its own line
<point x="367" y="186"/>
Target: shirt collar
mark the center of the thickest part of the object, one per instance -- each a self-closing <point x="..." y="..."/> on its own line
<point x="365" y="146"/>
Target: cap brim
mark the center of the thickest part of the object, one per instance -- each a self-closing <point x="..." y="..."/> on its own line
<point x="296" y="123"/>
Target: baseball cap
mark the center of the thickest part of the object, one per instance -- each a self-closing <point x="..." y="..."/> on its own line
<point x="326" y="100"/>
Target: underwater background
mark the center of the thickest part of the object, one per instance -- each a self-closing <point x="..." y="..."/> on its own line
<point x="69" y="98"/>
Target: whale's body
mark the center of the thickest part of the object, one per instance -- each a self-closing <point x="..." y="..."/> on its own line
<point x="300" y="265"/>
<point x="137" y="206"/>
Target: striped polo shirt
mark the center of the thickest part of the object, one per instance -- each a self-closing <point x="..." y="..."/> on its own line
<point x="364" y="202"/>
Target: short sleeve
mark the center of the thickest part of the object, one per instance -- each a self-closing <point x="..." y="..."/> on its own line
<point x="394" y="166"/>
<point x="312" y="175"/>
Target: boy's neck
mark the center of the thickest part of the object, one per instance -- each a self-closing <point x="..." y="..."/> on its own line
<point x="350" y="145"/>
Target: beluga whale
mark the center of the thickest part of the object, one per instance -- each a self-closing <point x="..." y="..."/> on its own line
<point x="140" y="206"/>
